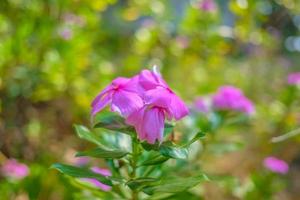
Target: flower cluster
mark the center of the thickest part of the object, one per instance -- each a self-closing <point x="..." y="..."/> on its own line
<point x="231" y="98"/>
<point x="294" y="78"/>
<point x="13" y="169"/>
<point x="276" y="165"/>
<point x="145" y="100"/>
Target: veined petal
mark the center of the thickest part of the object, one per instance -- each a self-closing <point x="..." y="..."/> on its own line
<point x="136" y="119"/>
<point x="150" y="80"/>
<point x="160" y="97"/>
<point x="120" y="81"/>
<point x="178" y="109"/>
<point x="153" y="124"/>
<point x="133" y="85"/>
<point x="101" y="103"/>
<point x="101" y="94"/>
<point x="126" y="102"/>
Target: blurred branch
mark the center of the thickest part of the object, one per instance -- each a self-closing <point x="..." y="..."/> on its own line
<point x="286" y="136"/>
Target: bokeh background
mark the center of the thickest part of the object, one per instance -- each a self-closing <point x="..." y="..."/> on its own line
<point x="56" y="55"/>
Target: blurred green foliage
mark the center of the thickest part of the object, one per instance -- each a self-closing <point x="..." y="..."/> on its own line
<point x="55" y="56"/>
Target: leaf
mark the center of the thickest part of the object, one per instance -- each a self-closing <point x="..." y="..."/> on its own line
<point x="112" y="121"/>
<point x="86" y="134"/>
<point x="78" y="172"/>
<point x="173" y="152"/>
<point x="103" y="153"/>
<point x="174" y="184"/>
<point x="149" y="147"/>
<point x="199" y="135"/>
<point x="155" y="160"/>
<point x="168" y="129"/>
<point x="139" y="183"/>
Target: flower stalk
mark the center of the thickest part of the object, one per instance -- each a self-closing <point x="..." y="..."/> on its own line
<point x="134" y="159"/>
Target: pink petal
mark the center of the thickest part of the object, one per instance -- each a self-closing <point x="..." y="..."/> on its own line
<point x="101" y="94"/>
<point x="126" y="102"/>
<point x="136" y="119"/>
<point x="133" y="85"/>
<point x="120" y="81"/>
<point x="102" y="171"/>
<point x="153" y="124"/>
<point x="97" y="183"/>
<point x="160" y="97"/>
<point x="178" y="108"/>
<point x="101" y="103"/>
<point x="150" y="80"/>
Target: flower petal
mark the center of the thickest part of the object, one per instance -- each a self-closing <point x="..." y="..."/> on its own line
<point x="101" y="95"/>
<point x="160" y="97"/>
<point x="177" y="108"/>
<point x="136" y="119"/>
<point x="150" y="80"/>
<point x="101" y="103"/>
<point x="153" y="124"/>
<point x="126" y="102"/>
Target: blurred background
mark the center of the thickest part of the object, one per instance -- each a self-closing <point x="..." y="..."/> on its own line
<point x="56" y="55"/>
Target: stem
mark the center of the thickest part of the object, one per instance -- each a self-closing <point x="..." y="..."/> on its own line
<point x="135" y="154"/>
<point x="286" y="136"/>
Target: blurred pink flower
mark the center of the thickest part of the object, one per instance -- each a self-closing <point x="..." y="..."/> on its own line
<point x="95" y="182"/>
<point x="294" y="78"/>
<point x="66" y="33"/>
<point x="201" y="105"/>
<point x="208" y="5"/>
<point x="72" y="19"/>
<point x="121" y="94"/>
<point x="13" y="169"/>
<point x="80" y="161"/>
<point x="276" y="165"/>
<point x="231" y="98"/>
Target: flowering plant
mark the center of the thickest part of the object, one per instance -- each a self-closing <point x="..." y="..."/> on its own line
<point x="136" y="141"/>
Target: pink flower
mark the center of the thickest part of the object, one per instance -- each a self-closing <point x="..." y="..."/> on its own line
<point x="231" y="98"/>
<point x="294" y="78"/>
<point x="81" y="161"/>
<point x="72" y="19"/>
<point x="145" y="101"/>
<point x="208" y="5"/>
<point x="201" y="105"/>
<point x="65" y="33"/>
<point x="160" y="102"/>
<point x="95" y="182"/>
<point x="276" y="165"/>
<point x="122" y="96"/>
<point x="150" y="80"/>
<point x="15" y="170"/>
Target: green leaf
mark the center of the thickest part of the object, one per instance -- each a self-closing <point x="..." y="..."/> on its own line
<point x="173" y="151"/>
<point x="155" y="160"/>
<point x="78" y="172"/>
<point x="112" y="121"/>
<point x="168" y="129"/>
<point x="149" y="147"/>
<point x="139" y="183"/>
<point x="103" y="153"/>
<point x="199" y="135"/>
<point x="86" y="134"/>
<point x="174" y="184"/>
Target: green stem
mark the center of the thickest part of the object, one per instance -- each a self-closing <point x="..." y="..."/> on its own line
<point x="135" y="154"/>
